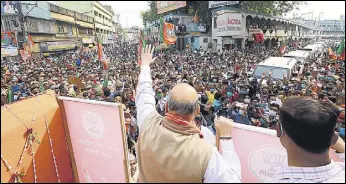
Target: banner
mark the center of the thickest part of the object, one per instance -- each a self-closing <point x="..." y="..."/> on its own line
<point x="196" y="27"/>
<point x="88" y="40"/>
<point x="9" y="51"/>
<point x="9" y="7"/>
<point x="262" y="156"/>
<point x="228" y="24"/>
<point x="8" y="38"/>
<point x="168" y="33"/>
<point x="57" y="46"/>
<point x="166" y="6"/>
<point x="96" y="140"/>
<point x="215" y="4"/>
<point x="255" y="31"/>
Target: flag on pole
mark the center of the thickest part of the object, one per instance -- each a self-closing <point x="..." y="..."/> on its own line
<point x="99" y="48"/>
<point x="341" y="50"/>
<point x="331" y="54"/>
<point x="141" y="46"/>
<point x="283" y="49"/>
<point x="167" y="33"/>
<point x="196" y="19"/>
<point x="10" y="96"/>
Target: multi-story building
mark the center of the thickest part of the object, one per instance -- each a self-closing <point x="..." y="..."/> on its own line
<point x="332" y="28"/>
<point x="72" y="28"/>
<point x="25" y="19"/>
<point x="102" y="16"/>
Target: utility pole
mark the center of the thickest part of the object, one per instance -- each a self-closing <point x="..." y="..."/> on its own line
<point x="23" y="32"/>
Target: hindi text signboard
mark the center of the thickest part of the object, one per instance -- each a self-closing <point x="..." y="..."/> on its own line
<point x="96" y="138"/>
<point x="263" y="155"/>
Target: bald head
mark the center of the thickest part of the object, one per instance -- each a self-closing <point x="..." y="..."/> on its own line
<point x="183" y="93"/>
<point x="183" y="100"/>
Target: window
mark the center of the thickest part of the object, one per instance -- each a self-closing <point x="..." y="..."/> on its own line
<point x="96" y="14"/>
<point x="60" y="27"/>
<point x="205" y="40"/>
<point x="69" y="30"/>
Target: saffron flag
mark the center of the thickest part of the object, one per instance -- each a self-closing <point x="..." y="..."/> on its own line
<point x="331" y="54"/>
<point x="283" y="49"/>
<point x="167" y="34"/>
<point x="99" y="51"/>
<point x="141" y="46"/>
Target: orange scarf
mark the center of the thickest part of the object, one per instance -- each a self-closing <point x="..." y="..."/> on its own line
<point x="179" y="125"/>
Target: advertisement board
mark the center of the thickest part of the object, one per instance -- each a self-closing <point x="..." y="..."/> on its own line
<point x="8" y="38"/>
<point x="196" y="27"/>
<point x="57" y="46"/>
<point x="228" y="24"/>
<point x="263" y="156"/>
<point x="96" y="140"/>
<point x="9" y="7"/>
<point x="9" y="51"/>
<point x="88" y="40"/>
<point x="215" y="4"/>
<point x="166" y="6"/>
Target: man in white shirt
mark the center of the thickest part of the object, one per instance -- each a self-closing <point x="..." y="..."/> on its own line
<point x="167" y="149"/>
<point x="306" y="129"/>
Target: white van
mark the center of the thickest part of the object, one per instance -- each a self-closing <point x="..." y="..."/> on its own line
<point x="277" y="65"/>
<point x="300" y="55"/>
<point x="312" y="49"/>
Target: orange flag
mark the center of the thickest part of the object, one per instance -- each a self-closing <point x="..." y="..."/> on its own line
<point x="169" y="37"/>
<point x="196" y="19"/>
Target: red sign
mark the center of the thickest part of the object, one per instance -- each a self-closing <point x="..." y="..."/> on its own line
<point x="262" y="155"/>
<point x="96" y="140"/>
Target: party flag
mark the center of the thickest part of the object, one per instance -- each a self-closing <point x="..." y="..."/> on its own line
<point x="341" y="48"/>
<point x="141" y="46"/>
<point x="283" y="49"/>
<point x="10" y="96"/>
<point x="167" y="33"/>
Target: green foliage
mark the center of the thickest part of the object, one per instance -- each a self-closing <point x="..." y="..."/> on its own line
<point x="275" y="8"/>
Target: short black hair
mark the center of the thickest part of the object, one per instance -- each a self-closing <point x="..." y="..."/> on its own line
<point x="217" y="96"/>
<point x="107" y="92"/>
<point x="309" y="122"/>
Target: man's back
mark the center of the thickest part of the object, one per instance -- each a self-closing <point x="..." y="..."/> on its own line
<point x="331" y="173"/>
<point x="167" y="156"/>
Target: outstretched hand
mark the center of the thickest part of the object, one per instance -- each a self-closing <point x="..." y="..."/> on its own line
<point x="147" y="55"/>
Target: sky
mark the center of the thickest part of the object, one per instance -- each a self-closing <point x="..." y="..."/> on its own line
<point x="130" y="10"/>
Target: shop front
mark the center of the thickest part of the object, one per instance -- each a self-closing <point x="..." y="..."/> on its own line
<point x="57" y="46"/>
<point x="228" y="28"/>
<point x="88" y="41"/>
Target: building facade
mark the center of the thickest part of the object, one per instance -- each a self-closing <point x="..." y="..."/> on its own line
<point x="332" y="28"/>
<point x="102" y="16"/>
<point x="26" y="19"/>
<point x="72" y="28"/>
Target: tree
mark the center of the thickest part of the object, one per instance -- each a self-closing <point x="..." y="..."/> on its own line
<point x="274" y="8"/>
<point x="151" y="14"/>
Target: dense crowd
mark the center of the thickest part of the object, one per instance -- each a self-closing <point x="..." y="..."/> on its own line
<point x="223" y="80"/>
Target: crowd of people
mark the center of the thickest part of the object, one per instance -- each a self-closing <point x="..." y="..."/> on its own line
<point x="222" y="79"/>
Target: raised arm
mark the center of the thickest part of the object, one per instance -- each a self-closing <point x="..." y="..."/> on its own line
<point x="145" y="96"/>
